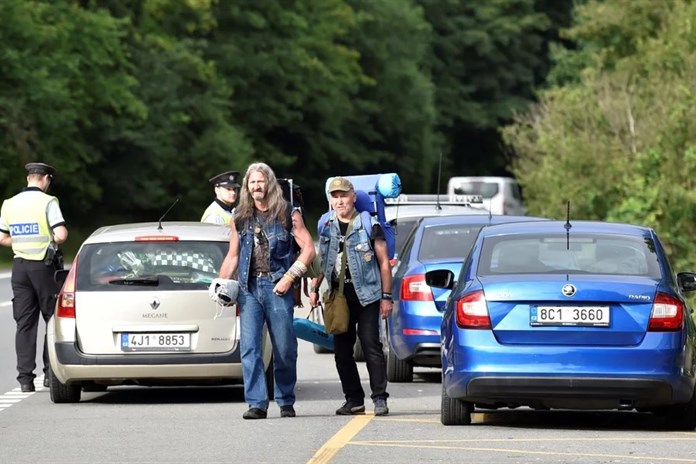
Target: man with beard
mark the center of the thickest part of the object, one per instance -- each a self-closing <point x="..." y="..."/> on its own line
<point x="261" y="254"/>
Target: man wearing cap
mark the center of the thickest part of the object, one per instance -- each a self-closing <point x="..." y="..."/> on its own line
<point x="367" y="282"/>
<point x="221" y="209"/>
<point x="32" y="223"/>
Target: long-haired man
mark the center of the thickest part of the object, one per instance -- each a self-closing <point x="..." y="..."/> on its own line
<point x="261" y="253"/>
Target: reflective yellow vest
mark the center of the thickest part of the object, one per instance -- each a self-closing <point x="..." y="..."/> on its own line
<point x="216" y="210"/>
<point x="25" y="214"/>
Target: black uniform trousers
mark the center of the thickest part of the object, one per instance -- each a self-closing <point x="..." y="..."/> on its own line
<point x="34" y="291"/>
<point x="364" y="323"/>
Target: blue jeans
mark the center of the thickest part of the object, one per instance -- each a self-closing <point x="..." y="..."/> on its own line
<point x="258" y="305"/>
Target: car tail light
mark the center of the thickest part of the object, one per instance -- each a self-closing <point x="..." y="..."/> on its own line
<point x="472" y="311"/>
<point x="414" y="288"/>
<point x="667" y="314"/>
<point x="66" y="298"/>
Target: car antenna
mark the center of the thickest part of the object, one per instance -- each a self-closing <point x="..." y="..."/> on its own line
<point x="439" y="175"/>
<point x="159" y="227"/>
<point x="567" y="225"/>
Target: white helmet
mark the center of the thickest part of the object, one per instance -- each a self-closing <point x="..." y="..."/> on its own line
<point x="224" y="291"/>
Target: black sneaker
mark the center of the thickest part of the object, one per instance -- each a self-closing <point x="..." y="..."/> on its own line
<point x="254" y="413"/>
<point x="46" y="384"/>
<point x="350" y="409"/>
<point x="381" y="408"/>
<point x="287" y="411"/>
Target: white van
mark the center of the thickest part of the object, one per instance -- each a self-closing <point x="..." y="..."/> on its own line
<point x="501" y="195"/>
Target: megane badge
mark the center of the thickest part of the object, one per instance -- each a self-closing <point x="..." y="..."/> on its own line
<point x="569" y="290"/>
<point x="154" y="302"/>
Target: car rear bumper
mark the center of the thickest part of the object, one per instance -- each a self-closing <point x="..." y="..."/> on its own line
<point x="71" y="365"/>
<point x="566" y="392"/>
<point x="655" y="373"/>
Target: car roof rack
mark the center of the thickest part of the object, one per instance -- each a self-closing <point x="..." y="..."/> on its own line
<point x="431" y="199"/>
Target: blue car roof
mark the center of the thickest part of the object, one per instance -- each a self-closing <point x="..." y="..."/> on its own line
<point x="546" y="227"/>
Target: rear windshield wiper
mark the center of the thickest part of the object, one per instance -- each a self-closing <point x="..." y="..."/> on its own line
<point x="152" y="281"/>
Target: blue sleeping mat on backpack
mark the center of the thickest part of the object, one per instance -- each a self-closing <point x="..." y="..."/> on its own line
<point x="370" y="191"/>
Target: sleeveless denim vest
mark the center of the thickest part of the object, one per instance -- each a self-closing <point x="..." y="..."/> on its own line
<point x="361" y="258"/>
<point x="280" y="250"/>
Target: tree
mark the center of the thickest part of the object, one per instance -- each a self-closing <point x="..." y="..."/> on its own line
<point x="619" y="142"/>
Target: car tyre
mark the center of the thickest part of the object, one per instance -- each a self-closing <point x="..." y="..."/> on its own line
<point x="682" y="416"/>
<point x="270" y="381"/>
<point x="454" y="411"/>
<point x="398" y="371"/>
<point x="62" y="393"/>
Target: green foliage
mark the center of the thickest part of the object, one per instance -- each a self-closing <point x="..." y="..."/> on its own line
<point x="619" y="142"/>
<point x="487" y="59"/>
<point x="139" y="102"/>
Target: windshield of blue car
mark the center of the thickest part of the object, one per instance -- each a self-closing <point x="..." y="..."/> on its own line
<point x="557" y="254"/>
<point x="179" y="265"/>
<point x="452" y="241"/>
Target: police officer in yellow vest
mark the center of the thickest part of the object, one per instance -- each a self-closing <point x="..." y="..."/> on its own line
<point x="32" y="223"/>
<point x="221" y="209"/>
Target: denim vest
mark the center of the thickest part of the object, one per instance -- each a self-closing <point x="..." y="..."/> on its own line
<point x="361" y="258"/>
<point x="280" y="250"/>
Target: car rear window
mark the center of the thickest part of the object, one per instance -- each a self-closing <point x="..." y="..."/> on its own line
<point x="587" y="254"/>
<point x="179" y="265"/>
<point x="485" y="189"/>
<point x="448" y="241"/>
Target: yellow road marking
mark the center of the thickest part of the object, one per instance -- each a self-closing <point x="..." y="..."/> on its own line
<point x="534" y="453"/>
<point x="527" y="440"/>
<point x="340" y="439"/>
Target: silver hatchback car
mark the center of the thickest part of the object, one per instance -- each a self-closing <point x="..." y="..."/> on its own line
<point x="134" y="310"/>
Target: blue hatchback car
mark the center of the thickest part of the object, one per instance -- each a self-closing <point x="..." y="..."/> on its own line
<point x="413" y="329"/>
<point x="582" y="315"/>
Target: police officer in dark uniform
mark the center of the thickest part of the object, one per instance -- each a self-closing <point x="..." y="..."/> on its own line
<point x="221" y="209"/>
<point x="32" y="223"/>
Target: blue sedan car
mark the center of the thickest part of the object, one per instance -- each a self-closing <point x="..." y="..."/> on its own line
<point x="413" y="329"/>
<point x="587" y="315"/>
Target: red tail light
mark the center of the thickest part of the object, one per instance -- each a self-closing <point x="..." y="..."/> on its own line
<point x="66" y="298"/>
<point x="472" y="311"/>
<point x="667" y="314"/>
<point x="414" y="288"/>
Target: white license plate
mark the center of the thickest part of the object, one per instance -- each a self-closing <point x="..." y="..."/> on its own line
<point x="594" y="316"/>
<point x="155" y="341"/>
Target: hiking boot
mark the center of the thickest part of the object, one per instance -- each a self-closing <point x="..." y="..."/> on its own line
<point x="350" y="409"/>
<point x="254" y="413"/>
<point x="287" y="411"/>
<point x="381" y="408"/>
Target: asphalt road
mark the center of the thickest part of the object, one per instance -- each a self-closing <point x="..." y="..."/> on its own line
<point x="183" y="425"/>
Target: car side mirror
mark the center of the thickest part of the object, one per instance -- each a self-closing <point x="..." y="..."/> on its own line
<point x="441" y="278"/>
<point x="60" y="276"/>
<point x="686" y="281"/>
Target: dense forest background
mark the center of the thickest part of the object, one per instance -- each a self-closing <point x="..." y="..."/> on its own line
<point x="139" y="102"/>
